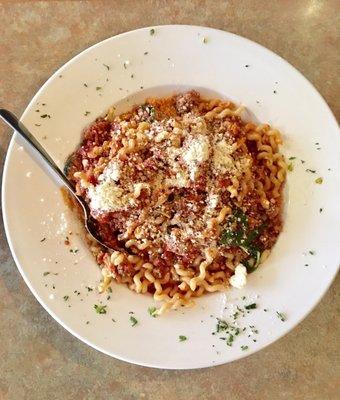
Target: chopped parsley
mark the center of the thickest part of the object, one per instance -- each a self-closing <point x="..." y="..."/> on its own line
<point x="281" y="316"/>
<point x="107" y="67"/>
<point x="89" y="289"/>
<point x="290" y="167"/>
<point x="243" y="348"/>
<point x="100" y="309"/>
<point x="45" y="116"/>
<point x="182" y="338"/>
<point x="74" y="251"/>
<point x="98" y="88"/>
<point x="133" y="321"/>
<point x="146" y="53"/>
<point x="87" y="322"/>
<point x="312" y="252"/>
<point x="291" y="158"/>
<point x="85" y="84"/>
<point x="237" y="234"/>
<point x="43" y="239"/>
<point x="46" y="273"/>
<point x="66" y="297"/>
<point x="87" y="113"/>
<point x="221" y="325"/>
<point x="320" y="210"/>
<point x="205" y="40"/>
<point x="319" y="180"/>
<point x="152" y="31"/>
<point x="152" y="311"/>
<point x="312" y="171"/>
<point x="251" y="306"/>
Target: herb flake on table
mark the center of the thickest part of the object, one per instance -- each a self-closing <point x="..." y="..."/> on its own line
<point x="182" y="338"/>
<point x="243" y="348"/>
<point x="42" y="240"/>
<point x="66" y="298"/>
<point x="46" y="273"/>
<point x="86" y="113"/>
<point x="290" y="167"/>
<point x="45" y="116"/>
<point x="100" y="309"/>
<point x="133" y="321"/>
<point x="312" y="171"/>
<point x="251" y="306"/>
<point x="152" y="31"/>
<point x="319" y="180"/>
<point x="99" y="88"/>
<point x="107" y="67"/>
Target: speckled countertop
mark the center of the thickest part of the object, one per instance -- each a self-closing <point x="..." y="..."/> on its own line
<point x="38" y="358"/>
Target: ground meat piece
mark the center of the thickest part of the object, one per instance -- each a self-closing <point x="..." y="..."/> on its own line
<point x="187" y="101"/>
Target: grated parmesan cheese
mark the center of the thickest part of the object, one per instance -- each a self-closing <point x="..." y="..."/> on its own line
<point x="222" y="159"/>
<point x="111" y="172"/>
<point x="107" y="196"/>
<point x="196" y="152"/>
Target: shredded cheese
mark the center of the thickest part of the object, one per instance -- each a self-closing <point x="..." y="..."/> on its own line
<point x="107" y="196"/>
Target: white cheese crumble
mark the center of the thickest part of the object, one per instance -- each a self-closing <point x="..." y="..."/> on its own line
<point x="212" y="201"/>
<point x="107" y="196"/>
<point x="222" y="159"/>
<point x="196" y="152"/>
<point x="239" y="279"/>
<point x="180" y="180"/>
<point x="111" y="172"/>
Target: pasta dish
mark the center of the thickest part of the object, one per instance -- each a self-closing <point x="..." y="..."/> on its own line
<point x="188" y="193"/>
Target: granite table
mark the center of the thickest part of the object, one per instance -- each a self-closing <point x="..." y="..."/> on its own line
<point x="38" y="358"/>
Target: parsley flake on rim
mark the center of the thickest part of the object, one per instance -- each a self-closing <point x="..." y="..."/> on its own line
<point x="281" y="316"/>
<point x="152" y="311"/>
<point x="182" y="338"/>
<point x="250" y="306"/>
<point x="133" y="321"/>
<point x="100" y="309"/>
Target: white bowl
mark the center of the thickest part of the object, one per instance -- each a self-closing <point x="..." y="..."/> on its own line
<point x="305" y="258"/>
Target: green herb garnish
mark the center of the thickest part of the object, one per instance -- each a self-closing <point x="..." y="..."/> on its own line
<point x="152" y="31"/>
<point x="133" y="321"/>
<point x="182" y="338"/>
<point x="152" y="311"/>
<point x="46" y="273"/>
<point x="281" y="316"/>
<point x="319" y="180"/>
<point x="243" y="348"/>
<point x="100" y="309"/>
<point x="221" y="325"/>
<point x="251" y="306"/>
<point x="107" y="67"/>
<point x="66" y="297"/>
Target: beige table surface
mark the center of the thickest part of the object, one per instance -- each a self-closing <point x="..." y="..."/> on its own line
<point x="38" y="358"/>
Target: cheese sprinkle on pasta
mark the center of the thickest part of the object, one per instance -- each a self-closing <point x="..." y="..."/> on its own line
<point x="191" y="192"/>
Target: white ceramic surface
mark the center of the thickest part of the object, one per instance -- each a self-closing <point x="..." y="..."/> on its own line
<point x="218" y="64"/>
